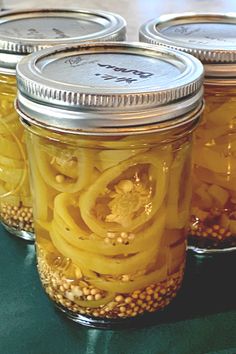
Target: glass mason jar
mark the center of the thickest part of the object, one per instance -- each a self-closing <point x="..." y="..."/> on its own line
<point x="209" y="38"/>
<point x="23" y="32"/>
<point x="110" y="165"/>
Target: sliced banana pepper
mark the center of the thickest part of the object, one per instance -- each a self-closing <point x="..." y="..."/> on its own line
<point x="179" y="194"/>
<point x="95" y="303"/>
<point x="108" y="158"/>
<point x="13" y="170"/>
<point x="223" y="180"/>
<point x="128" y="195"/>
<point x="99" y="263"/>
<point x="12" y="163"/>
<point x="66" y="209"/>
<point x="10" y="148"/>
<point x="91" y="266"/>
<point x="64" y="174"/>
<point x="73" y="233"/>
<point x="96" y="244"/>
<point x="140" y="282"/>
<point x="222" y="115"/>
<point x="213" y="160"/>
<point x="42" y="193"/>
<point x="126" y="207"/>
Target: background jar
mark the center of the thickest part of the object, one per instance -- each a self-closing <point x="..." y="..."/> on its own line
<point x="211" y="39"/>
<point x="111" y="160"/>
<point x="23" y="32"/>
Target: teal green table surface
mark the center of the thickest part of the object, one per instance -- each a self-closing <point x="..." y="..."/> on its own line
<point x="202" y="319"/>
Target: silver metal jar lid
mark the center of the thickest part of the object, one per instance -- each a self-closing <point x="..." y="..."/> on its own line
<point x="210" y="37"/>
<point x="107" y="87"/>
<point x="26" y="31"/>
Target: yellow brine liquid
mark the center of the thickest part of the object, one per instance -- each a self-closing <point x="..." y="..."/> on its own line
<point x="110" y="222"/>
<point x="15" y="199"/>
<point x="213" y="221"/>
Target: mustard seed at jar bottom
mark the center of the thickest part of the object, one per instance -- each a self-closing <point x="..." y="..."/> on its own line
<point x="23" y="32"/>
<point x="210" y="38"/>
<point x="110" y="169"/>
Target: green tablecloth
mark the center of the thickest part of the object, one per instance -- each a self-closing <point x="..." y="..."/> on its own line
<point x="201" y="320"/>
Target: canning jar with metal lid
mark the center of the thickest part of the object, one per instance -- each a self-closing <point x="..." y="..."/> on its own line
<point x="23" y="32"/>
<point x="109" y="129"/>
<point x="211" y="38"/>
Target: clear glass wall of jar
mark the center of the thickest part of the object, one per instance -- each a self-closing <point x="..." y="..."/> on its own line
<point x="36" y="29"/>
<point x="110" y="166"/>
<point x="213" y="219"/>
<point x="15" y="197"/>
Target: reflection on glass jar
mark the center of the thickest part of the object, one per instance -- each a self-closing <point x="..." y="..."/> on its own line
<point x="109" y="237"/>
<point x="213" y="221"/>
<point x="15" y="199"/>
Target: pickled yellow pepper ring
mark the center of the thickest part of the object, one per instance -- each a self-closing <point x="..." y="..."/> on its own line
<point x="78" y="237"/>
<point x="12" y="156"/>
<point x="158" y="274"/>
<point x="11" y="120"/>
<point x="40" y="195"/>
<point x="94" y="243"/>
<point x="103" y="264"/>
<point x="109" y="158"/>
<point x="225" y="181"/>
<point x="140" y="282"/>
<point x="213" y="160"/>
<point x="65" y="208"/>
<point x="177" y="202"/>
<point x="152" y="198"/>
<point x="64" y="174"/>
<point x="223" y="115"/>
<point x="95" y="303"/>
<point x="12" y="163"/>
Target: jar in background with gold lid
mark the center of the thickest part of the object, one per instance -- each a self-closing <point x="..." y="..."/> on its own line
<point x="211" y="38"/>
<point x="109" y="131"/>
<point x="23" y="32"/>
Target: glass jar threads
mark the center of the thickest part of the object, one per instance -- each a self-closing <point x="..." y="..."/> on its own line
<point x="23" y="32"/>
<point x="210" y="37"/>
<point x="109" y="131"/>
